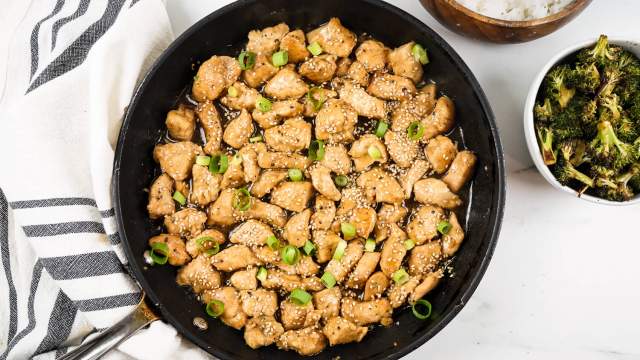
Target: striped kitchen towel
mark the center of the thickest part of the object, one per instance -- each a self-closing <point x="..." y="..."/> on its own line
<point x="68" y="69"/>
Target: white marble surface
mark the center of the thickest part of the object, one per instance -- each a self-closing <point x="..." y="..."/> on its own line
<point x="563" y="282"/>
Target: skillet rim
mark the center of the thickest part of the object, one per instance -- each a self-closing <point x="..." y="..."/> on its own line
<point x="498" y="203"/>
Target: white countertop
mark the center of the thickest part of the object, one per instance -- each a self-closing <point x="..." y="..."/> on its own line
<point x="563" y="282"/>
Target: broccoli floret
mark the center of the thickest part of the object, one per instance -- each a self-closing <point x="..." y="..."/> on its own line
<point x="634" y="110"/>
<point x="628" y="62"/>
<point x="569" y="122"/>
<point x="589" y="116"/>
<point x="629" y="90"/>
<point x="544" y="111"/>
<point x="627" y="129"/>
<point x="609" y="150"/>
<point x="545" y="139"/>
<point x="580" y="155"/>
<point x="556" y="85"/>
<point x="585" y="78"/>
<point x="610" y="107"/>
<point x="564" y="171"/>
<point x="612" y="77"/>
<point x="619" y="188"/>
<point x="601" y="53"/>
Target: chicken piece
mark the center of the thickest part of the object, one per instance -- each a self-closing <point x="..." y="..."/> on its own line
<point x="391" y="87"/>
<point x="440" y="151"/>
<point x="206" y="185"/>
<point x="181" y="123"/>
<point x="333" y="38"/>
<point x="379" y="186"/>
<point x="402" y="150"/>
<point x="363" y="103"/>
<point x="321" y="95"/>
<point x="441" y="119"/>
<point x="423" y="226"/>
<point x="336" y="158"/>
<point x="375" y="286"/>
<point x="251" y="233"/>
<point x="296" y="231"/>
<point x="238" y="131"/>
<point x="293" y="135"/>
<point x="160" y="197"/>
<point x="343" y="66"/>
<point x="282" y="160"/>
<point x="340" y="268"/>
<point x="199" y="275"/>
<point x="232" y="315"/>
<point x="233" y="258"/>
<point x="244" y="279"/>
<point x="322" y="181"/>
<point x="328" y="302"/>
<point x="293" y="316"/>
<point x="267" y="255"/>
<point x="176" y="159"/>
<point x="425" y="258"/>
<point x="221" y="212"/>
<point x="393" y="250"/>
<point x="262" y="331"/>
<point x="324" y="212"/>
<point x="177" y="252"/>
<point x="363" y="270"/>
<point x="339" y="330"/>
<point x="388" y="214"/>
<point x="197" y="245"/>
<point x="249" y="157"/>
<point x="271" y="214"/>
<point x="312" y="283"/>
<point x="373" y="55"/>
<point x="409" y="178"/>
<point x="319" y="68"/>
<point x="292" y="195"/>
<point x="326" y="243"/>
<point x="259" y="302"/>
<point x="186" y="222"/>
<point x="336" y="122"/>
<point x="308" y="341"/>
<point x="210" y="121"/>
<point x="303" y="267"/>
<point x="245" y="98"/>
<point x="234" y="176"/>
<point x="403" y="62"/>
<point x="183" y="187"/>
<point x="415" y="109"/>
<point x="358" y="73"/>
<point x="286" y="84"/>
<point x="294" y="43"/>
<point x="361" y="150"/>
<point x="435" y="192"/>
<point x="429" y="283"/>
<point x="262" y="71"/>
<point x="453" y="239"/>
<point x="279" y="110"/>
<point x="267" y="40"/>
<point x="461" y="170"/>
<point x="398" y="294"/>
<point x="214" y="75"/>
<point x="364" y="219"/>
<point x="268" y="180"/>
<point x="366" y="312"/>
<point x="277" y="279"/>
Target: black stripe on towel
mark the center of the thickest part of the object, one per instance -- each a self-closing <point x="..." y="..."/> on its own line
<point x="64" y="228"/>
<point x="107" y="213"/>
<point x="34" y="36"/>
<point x="82" y="8"/>
<point x="6" y="263"/>
<point x="29" y="204"/>
<point x="83" y="265"/>
<point x="108" y="302"/>
<point x="60" y="323"/>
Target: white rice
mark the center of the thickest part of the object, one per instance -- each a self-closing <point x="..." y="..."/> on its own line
<point x="515" y="10"/>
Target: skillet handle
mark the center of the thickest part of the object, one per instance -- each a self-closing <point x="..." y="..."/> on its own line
<point x="113" y="336"/>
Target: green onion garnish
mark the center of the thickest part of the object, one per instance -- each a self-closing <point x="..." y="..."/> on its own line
<point x="203" y="160"/>
<point x="374" y="152"/>
<point x="415" y="130"/>
<point x="242" y="199"/>
<point x="255" y="139"/>
<point x="400" y="276"/>
<point x="444" y="227"/>
<point x="246" y="59"/>
<point x="409" y="244"/>
<point x="315" y="48"/>
<point x="280" y="58"/>
<point x="208" y="244"/>
<point x="317" y="103"/>
<point x="219" y="164"/>
<point x="300" y="297"/>
<point x="290" y="254"/>
<point x="370" y="245"/>
<point x="232" y="91"/>
<point x="215" y="308"/>
<point x="420" y="54"/>
<point x="381" y="128"/>
<point x="273" y="243"/>
<point x="177" y="196"/>
<point x="341" y="180"/>
<point x="308" y="247"/>
<point x="203" y="241"/>
<point x="262" y="274"/>
<point x="348" y="230"/>
<point x="263" y="104"/>
<point x="316" y="150"/>
<point x="328" y="280"/>
<point x="159" y="253"/>
<point x="422" y="315"/>
<point x="339" y="253"/>
<point x="295" y="174"/>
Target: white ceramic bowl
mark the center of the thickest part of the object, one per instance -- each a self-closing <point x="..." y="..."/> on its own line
<point x="530" y="133"/>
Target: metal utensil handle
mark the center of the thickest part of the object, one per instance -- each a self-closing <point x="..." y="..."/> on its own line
<point x="110" y="338"/>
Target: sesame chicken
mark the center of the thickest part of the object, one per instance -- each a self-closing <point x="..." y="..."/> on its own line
<point x="233" y="258"/>
<point x="294" y="43"/>
<point x="214" y="76"/>
<point x="296" y="231"/>
<point x="319" y="69"/>
<point x="372" y="54"/>
<point x="286" y="84"/>
<point x="409" y="178"/>
<point x="336" y="122"/>
<point x="181" y="123"/>
<point x="307" y="341"/>
<point x="292" y="195"/>
<point x="176" y="159"/>
<point x="232" y="315"/>
<point x="261" y="72"/>
<point x="279" y="110"/>
<point x="435" y="192"/>
<point x="209" y="120"/>
<point x="391" y="87"/>
<point x="262" y="331"/>
<point x="238" y="131"/>
<point x="251" y="233"/>
<point x="293" y="135"/>
<point x="244" y="279"/>
<point x="324" y="213"/>
<point x="323" y="183"/>
<point x="440" y="120"/>
<point x="267" y="40"/>
<point x="453" y="239"/>
<point x="364" y="104"/>
<point x="186" y="222"/>
<point x="199" y="274"/>
<point x="403" y="63"/>
<point x="402" y="150"/>
<point x="177" y="254"/>
<point x="336" y="158"/>
<point x="461" y="170"/>
<point x="375" y="286"/>
<point x="440" y="151"/>
<point x="206" y="186"/>
<point x="160" y="197"/>
<point x="424" y="223"/>
<point x="245" y="98"/>
<point x="362" y="149"/>
<point x="339" y="330"/>
<point x="334" y="38"/>
<point x="267" y="180"/>
<point x="201" y="242"/>
<point x="358" y="74"/>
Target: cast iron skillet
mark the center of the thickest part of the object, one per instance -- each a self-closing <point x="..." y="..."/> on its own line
<point x="221" y="33"/>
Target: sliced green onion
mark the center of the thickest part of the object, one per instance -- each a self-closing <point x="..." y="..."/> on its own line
<point x="315" y="48"/>
<point x="409" y="244"/>
<point x="328" y="280"/>
<point x="300" y="297"/>
<point x="420" y="54"/>
<point x="341" y="180"/>
<point x="232" y="91"/>
<point x="400" y="276"/>
<point x="317" y="103"/>
<point x="415" y="130"/>
<point x="308" y="247"/>
<point x="339" y="253"/>
<point x="444" y="227"/>
<point x="273" y="243"/>
<point x="422" y="315"/>
<point x="255" y="139"/>
<point x="348" y="230"/>
<point x="177" y="196"/>
<point x="374" y="152"/>
<point x="295" y="174"/>
<point x="242" y="199"/>
<point x="219" y="164"/>
<point x="203" y="240"/>
<point x="203" y="160"/>
<point x="263" y="104"/>
<point x="370" y="245"/>
<point x="247" y="59"/>
<point x="381" y="128"/>
<point x="316" y="150"/>
<point x="215" y="308"/>
<point x="208" y="244"/>
<point x="262" y="274"/>
<point x="280" y="58"/>
<point x="159" y="253"/>
<point x="290" y="254"/>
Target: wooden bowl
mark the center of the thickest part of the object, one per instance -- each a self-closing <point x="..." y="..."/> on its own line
<point x="469" y="23"/>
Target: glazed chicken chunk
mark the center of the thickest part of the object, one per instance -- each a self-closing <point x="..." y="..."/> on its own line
<point x="239" y="96"/>
<point x="214" y="76"/>
<point x="293" y="135"/>
<point x="404" y="63"/>
<point x="294" y="43"/>
<point x="267" y="40"/>
<point x="336" y="122"/>
<point x="286" y="84"/>
<point x="319" y="69"/>
<point x="176" y="159"/>
<point x="181" y="123"/>
<point x="334" y="38"/>
<point x="177" y="252"/>
<point x="160" y="197"/>
<point x="200" y="275"/>
<point x="372" y="54"/>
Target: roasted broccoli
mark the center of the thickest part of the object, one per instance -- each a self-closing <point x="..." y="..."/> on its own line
<point x="601" y="54"/>
<point x="627" y="129"/>
<point x="545" y="138"/>
<point x="544" y="111"/>
<point x="557" y="87"/>
<point x="609" y="150"/>
<point x="564" y="171"/>
<point x="620" y="188"/>
<point x="585" y="78"/>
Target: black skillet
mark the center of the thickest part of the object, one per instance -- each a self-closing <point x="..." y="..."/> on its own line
<point x="222" y="33"/>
